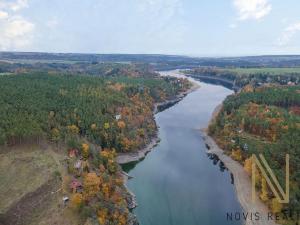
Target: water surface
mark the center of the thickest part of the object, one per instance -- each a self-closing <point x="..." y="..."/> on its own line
<point x="177" y="183"/>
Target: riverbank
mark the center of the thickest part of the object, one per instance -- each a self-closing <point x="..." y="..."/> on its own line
<point x="124" y="158"/>
<point x="242" y="181"/>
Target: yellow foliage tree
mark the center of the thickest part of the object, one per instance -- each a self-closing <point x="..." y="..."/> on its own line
<point x="236" y="154"/>
<point x="76" y="200"/>
<point x="102" y="216"/>
<point x="264" y="190"/>
<point x="276" y="206"/>
<point x="73" y="129"/>
<point x="122" y="220"/>
<point x="85" y="148"/>
<point x="106" y="126"/>
<point x="248" y="165"/>
<point x="141" y="132"/>
<point x="106" y="190"/>
<point x="91" y="185"/>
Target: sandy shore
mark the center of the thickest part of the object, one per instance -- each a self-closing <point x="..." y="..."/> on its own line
<point x="242" y="181"/>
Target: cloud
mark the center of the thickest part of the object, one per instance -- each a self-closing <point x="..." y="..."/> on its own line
<point x="14" y="5"/>
<point x="17" y="27"/>
<point x="288" y="34"/>
<point x="163" y="19"/>
<point x="3" y="15"/>
<point x="16" y="31"/>
<point x="252" y="9"/>
<point x="19" y="4"/>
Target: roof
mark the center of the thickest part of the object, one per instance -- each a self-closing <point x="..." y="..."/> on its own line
<point x="75" y="184"/>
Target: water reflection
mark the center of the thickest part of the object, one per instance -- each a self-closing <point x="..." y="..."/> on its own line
<point x="211" y="80"/>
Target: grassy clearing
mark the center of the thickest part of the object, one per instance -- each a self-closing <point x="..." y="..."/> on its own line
<point x="23" y="171"/>
<point x="30" y="191"/>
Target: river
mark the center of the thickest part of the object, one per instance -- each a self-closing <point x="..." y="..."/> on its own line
<point x="177" y="183"/>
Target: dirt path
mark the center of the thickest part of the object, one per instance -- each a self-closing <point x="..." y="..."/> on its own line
<point x="242" y="184"/>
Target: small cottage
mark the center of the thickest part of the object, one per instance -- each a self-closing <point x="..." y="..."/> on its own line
<point x="75" y="186"/>
<point x="73" y="153"/>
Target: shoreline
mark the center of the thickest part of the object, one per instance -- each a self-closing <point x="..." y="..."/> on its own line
<point x="242" y="181"/>
<point x="124" y="158"/>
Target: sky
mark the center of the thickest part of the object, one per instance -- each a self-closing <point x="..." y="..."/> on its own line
<point x="183" y="27"/>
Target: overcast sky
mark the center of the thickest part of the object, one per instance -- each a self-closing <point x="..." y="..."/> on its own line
<point x="188" y="27"/>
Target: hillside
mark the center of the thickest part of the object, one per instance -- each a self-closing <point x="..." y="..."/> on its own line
<point x="264" y="120"/>
<point x="60" y="135"/>
<point x="256" y="75"/>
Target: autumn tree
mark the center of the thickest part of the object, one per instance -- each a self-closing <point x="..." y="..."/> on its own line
<point x="73" y="129"/>
<point x="55" y="135"/>
<point x="264" y="190"/>
<point x="76" y="200"/>
<point x="236" y="154"/>
<point x="91" y="185"/>
<point x="248" y="165"/>
<point x="121" y="124"/>
<point x="276" y="206"/>
<point x="85" y="150"/>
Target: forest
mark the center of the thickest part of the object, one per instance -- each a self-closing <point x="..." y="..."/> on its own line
<point x="264" y="120"/>
<point x="256" y="76"/>
<point x="53" y="106"/>
<point x="89" y="119"/>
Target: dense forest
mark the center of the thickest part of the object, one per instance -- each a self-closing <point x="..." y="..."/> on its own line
<point x="40" y="105"/>
<point x="89" y="118"/>
<point x="256" y="76"/>
<point x="78" y="68"/>
<point x="264" y="120"/>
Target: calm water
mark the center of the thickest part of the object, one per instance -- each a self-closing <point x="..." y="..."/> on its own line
<point x="177" y="183"/>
